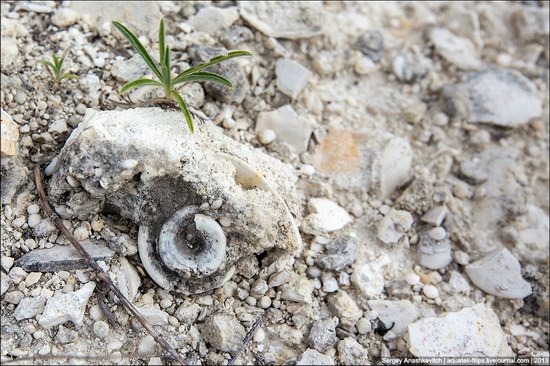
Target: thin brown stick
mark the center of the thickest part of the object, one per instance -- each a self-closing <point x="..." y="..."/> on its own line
<point x="102" y="275"/>
<point x="37" y="357"/>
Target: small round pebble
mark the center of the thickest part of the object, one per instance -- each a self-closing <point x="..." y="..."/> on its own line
<point x="41" y="105"/>
<point x="33" y="209"/>
<point x="430" y="291"/>
<point x="438" y="233"/>
<point x="34" y="220"/>
<point x="441" y="119"/>
<point x="20" y="97"/>
<point x="81" y="109"/>
<point x="229" y="123"/>
<point x="265" y="302"/>
<point x="101" y="329"/>
<point x="96" y="313"/>
<point x="251" y="301"/>
<point x="266" y="136"/>
<point x="307" y="169"/>
<point x="412" y="278"/>
<point x="165" y="303"/>
<point x="147" y="346"/>
<point x="363" y="326"/>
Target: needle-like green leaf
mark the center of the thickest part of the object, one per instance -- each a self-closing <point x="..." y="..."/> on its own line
<point x="69" y="76"/>
<point x="47" y="63"/>
<point x="161" y="40"/>
<point x="138" y="83"/>
<point x="214" y="61"/>
<point x="139" y="48"/>
<point x="202" y="76"/>
<point x="184" y="109"/>
<point x="166" y="67"/>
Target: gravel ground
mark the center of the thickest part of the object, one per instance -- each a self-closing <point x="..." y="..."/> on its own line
<point x="418" y="133"/>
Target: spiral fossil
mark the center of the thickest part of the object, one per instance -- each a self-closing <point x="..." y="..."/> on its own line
<point x="203" y="202"/>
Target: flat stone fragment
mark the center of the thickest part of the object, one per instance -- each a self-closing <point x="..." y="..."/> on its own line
<point x="472" y="331"/>
<point x="394" y="225"/>
<point x="351" y="352"/>
<point x="339" y="253"/>
<point x="29" y="307"/>
<point x="457" y="50"/>
<point x="322" y="335"/>
<point x="291" y="77"/>
<point x="10" y="135"/>
<point x="344" y="307"/>
<point x="499" y="274"/>
<point x="327" y="217"/>
<point x="399" y="313"/>
<point x="63" y="257"/>
<point x="313" y="357"/>
<point x="292" y="20"/>
<point x="288" y="126"/>
<point x="369" y="278"/>
<point x="498" y="96"/>
<point x="67" y="307"/>
<point x="435" y="215"/>
<point x="299" y="289"/>
<point x="224" y="332"/>
<point x="154" y="316"/>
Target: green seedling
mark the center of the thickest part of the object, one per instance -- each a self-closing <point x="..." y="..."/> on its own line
<point x="55" y="67"/>
<point x="163" y="73"/>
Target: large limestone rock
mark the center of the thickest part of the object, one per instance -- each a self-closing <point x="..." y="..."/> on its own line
<point x="472" y="331"/>
<point x="202" y="201"/>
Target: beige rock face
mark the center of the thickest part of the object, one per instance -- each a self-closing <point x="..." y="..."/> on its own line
<point x="10" y="135"/>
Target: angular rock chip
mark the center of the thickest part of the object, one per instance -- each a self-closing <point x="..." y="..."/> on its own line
<point x="63" y="258"/>
<point x="289" y="127"/>
<point x="499" y="274"/>
<point x="496" y="95"/>
<point x="67" y="307"/>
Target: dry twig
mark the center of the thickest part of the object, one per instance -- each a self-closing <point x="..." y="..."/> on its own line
<point x="100" y="273"/>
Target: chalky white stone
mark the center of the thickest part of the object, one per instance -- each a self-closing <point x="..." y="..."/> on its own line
<point x="499" y="274"/>
<point x="67" y="307"/>
<point x="291" y="77"/>
<point x="472" y="331"/>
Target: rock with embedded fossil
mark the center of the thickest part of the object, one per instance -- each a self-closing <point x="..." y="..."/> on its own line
<point x="202" y="202"/>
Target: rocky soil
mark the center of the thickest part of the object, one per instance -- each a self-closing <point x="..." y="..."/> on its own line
<point x="419" y="136"/>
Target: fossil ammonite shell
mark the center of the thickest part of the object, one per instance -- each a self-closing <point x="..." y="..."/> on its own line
<point x="202" y="202"/>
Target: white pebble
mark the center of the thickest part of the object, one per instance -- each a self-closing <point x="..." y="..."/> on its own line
<point x="307" y="169"/>
<point x="265" y="302"/>
<point x="430" y="291"/>
<point x="20" y="97"/>
<point x="266" y="136"/>
<point x="96" y="313"/>
<point x="101" y="329"/>
<point x="34" y="220"/>
<point x="438" y="233"/>
<point x="41" y="105"/>
<point x="412" y="278"/>
<point x="33" y="209"/>
<point x="363" y="326"/>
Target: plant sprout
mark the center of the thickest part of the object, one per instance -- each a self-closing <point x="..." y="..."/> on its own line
<point x="162" y="70"/>
<point x="55" y="68"/>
